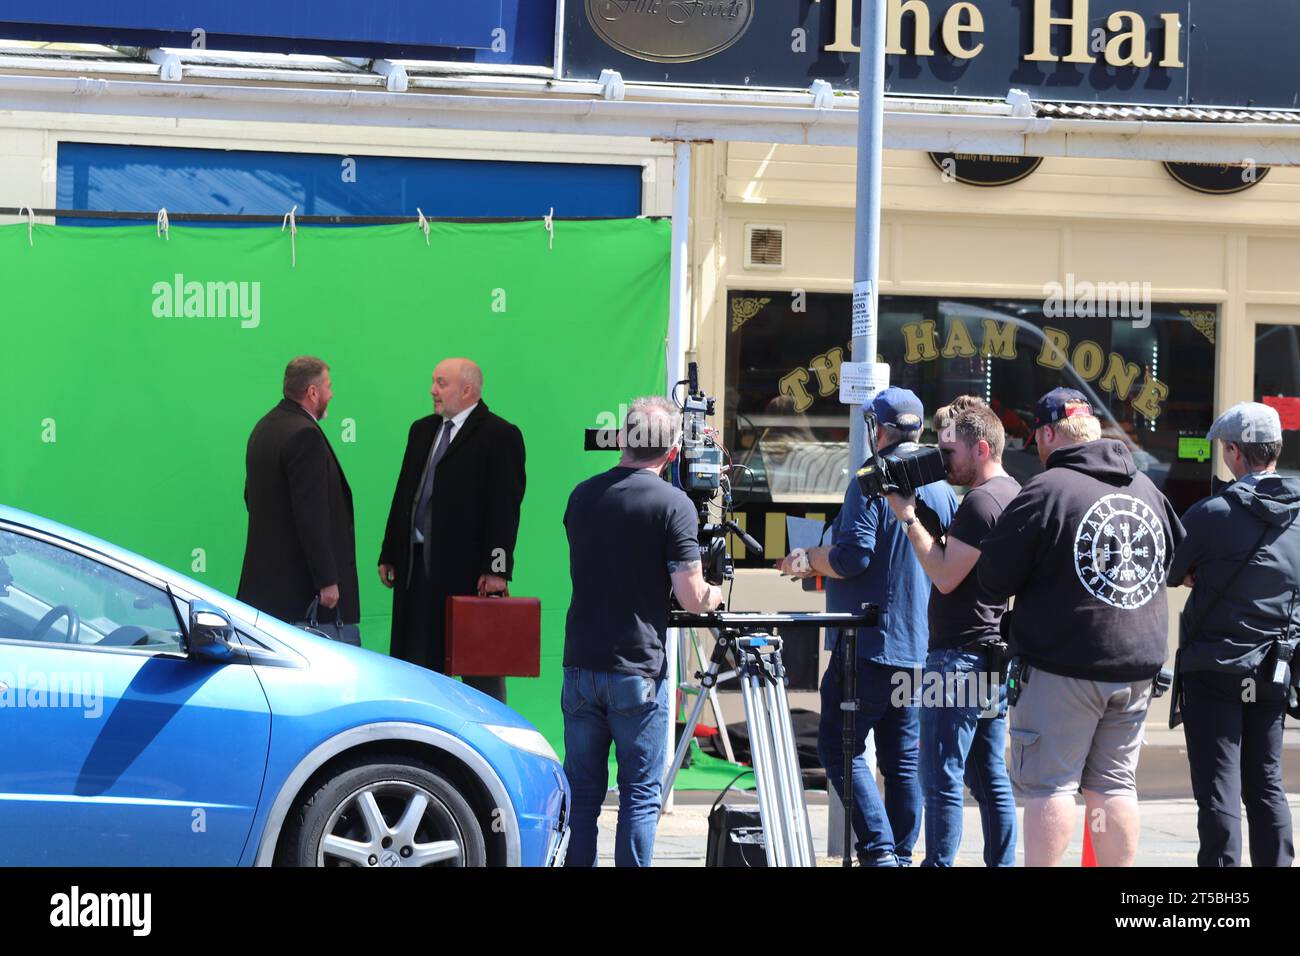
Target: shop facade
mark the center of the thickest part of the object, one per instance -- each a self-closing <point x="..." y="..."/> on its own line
<point x="1164" y="304"/>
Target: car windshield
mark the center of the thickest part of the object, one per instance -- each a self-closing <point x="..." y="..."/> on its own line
<point x="51" y="594"/>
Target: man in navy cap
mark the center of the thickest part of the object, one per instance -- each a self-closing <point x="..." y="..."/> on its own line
<point x="871" y="561"/>
<point x="1084" y="548"/>
<point x="1237" y="662"/>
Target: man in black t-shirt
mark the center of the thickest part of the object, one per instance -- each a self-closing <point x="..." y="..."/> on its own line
<point x="633" y="540"/>
<point x="963" y="697"/>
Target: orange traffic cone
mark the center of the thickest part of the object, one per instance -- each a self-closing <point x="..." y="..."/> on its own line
<point x="1089" y="855"/>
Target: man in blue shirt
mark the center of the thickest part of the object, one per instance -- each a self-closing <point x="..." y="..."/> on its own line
<point x="870" y="561"/>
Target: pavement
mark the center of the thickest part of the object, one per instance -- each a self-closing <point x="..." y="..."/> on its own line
<point x="1168" y="815"/>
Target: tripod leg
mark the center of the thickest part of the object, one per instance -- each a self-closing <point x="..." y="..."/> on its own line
<point x="688" y="734"/>
<point x="683" y="746"/>
<point x="781" y="748"/>
<point x="721" y="723"/>
<point x="755" y="716"/>
<point x="801" y="826"/>
<point x="849" y="706"/>
<point x="719" y="720"/>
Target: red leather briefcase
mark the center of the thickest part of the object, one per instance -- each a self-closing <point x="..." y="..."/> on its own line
<point x="494" y="637"/>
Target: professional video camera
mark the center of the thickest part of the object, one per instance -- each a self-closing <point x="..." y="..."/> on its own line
<point x="907" y="467"/>
<point x="701" y="471"/>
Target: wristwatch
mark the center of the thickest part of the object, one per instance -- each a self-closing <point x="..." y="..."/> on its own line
<point x="908" y="522"/>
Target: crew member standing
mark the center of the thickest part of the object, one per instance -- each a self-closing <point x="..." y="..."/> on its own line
<point x="633" y="539"/>
<point x="455" y="516"/>
<point x="964" y="734"/>
<point x="871" y="561"/>
<point x="301" y="539"/>
<point x="1084" y="548"/>
<point x="1241" y="558"/>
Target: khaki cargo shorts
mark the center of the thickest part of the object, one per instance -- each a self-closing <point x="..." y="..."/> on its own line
<point x="1067" y="732"/>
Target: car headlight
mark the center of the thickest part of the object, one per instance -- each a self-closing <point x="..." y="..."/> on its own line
<point x="526" y="739"/>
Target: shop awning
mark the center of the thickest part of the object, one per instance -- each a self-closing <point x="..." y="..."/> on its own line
<point x="270" y="88"/>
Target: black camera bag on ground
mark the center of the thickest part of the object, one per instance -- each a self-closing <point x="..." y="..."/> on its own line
<point x="736" y="836"/>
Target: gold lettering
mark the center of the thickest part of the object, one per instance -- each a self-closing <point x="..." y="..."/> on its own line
<point x="794" y="386"/>
<point x="920" y="342"/>
<point x="1088" y="360"/>
<point x="827" y="369"/>
<point x="1136" y="38"/>
<point x="734" y="545"/>
<point x="1055" y="343"/>
<point x="773" y="536"/>
<point x="999" y="340"/>
<point x="962" y="18"/>
<point x="1043" y="23"/>
<point x="1120" y="376"/>
<point x="959" y="344"/>
<point x="1153" y="393"/>
<point x="1173" y="38"/>
<point x="843" y="28"/>
<point x="894" y="27"/>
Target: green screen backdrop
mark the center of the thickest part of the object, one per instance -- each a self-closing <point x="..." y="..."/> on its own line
<point x="126" y="410"/>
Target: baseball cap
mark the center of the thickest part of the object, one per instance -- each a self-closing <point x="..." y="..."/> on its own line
<point x="1060" y="403"/>
<point x="898" y="407"/>
<point x="1057" y="404"/>
<point x="1247" y="422"/>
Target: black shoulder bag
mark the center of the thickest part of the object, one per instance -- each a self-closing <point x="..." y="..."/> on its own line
<point x="1176" y="688"/>
<point x="335" y="630"/>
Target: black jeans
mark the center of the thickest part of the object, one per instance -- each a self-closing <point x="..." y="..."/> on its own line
<point x="1235" y="751"/>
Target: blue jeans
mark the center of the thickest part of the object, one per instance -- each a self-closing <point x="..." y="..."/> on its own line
<point x="885" y="831"/>
<point x="963" y="742"/>
<point x="632" y="712"/>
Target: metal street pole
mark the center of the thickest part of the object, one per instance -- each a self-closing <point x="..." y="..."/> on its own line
<point x="678" y="332"/>
<point x="871" y="145"/>
<point x="866" y="266"/>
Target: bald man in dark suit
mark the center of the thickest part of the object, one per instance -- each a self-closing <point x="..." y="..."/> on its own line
<point x="454" y="519"/>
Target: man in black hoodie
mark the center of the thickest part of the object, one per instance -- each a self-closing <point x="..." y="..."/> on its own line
<point x="1241" y="559"/>
<point x="1085" y="549"/>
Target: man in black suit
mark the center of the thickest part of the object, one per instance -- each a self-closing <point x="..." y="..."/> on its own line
<point x="455" y="515"/>
<point x="301" y="537"/>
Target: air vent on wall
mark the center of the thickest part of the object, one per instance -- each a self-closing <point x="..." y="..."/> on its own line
<point x="764" y="247"/>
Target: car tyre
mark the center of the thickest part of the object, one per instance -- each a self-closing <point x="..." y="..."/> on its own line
<point x="385" y="810"/>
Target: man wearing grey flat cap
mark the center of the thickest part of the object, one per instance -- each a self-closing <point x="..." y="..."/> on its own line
<point x="1236" y="665"/>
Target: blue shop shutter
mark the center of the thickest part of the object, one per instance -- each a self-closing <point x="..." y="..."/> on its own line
<point x="96" y="176"/>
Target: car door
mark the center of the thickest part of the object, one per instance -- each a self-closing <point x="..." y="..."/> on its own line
<point x="115" y="748"/>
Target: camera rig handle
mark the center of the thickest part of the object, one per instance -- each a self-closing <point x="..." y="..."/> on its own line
<point x="751" y="543"/>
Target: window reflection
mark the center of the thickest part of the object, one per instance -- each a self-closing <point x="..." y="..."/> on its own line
<point x="1151" y="380"/>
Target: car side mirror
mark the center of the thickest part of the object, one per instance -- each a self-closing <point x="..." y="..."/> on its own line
<point x="212" y="636"/>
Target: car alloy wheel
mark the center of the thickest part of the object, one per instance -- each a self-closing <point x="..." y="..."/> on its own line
<point x="392" y="823"/>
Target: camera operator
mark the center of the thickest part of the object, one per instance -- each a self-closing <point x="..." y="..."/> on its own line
<point x="1241" y="557"/>
<point x="871" y="562"/>
<point x="963" y="736"/>
<point x="633" y="539"/>
<point x="1085" y="548"/>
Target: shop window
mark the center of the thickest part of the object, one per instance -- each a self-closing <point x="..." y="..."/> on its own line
<point x="1151" y="379"/>
<point x="1277" y="383"/>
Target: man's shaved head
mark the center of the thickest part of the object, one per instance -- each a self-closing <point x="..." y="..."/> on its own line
<point x="457" y="384"/>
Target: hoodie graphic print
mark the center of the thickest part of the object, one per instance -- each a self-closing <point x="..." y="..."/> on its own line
<point x="1085" y="550"/>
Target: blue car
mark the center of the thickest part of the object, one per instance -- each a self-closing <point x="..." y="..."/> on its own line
<point x="148" y="720"/>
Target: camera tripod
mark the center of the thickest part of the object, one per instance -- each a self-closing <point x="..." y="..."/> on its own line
<point x="755" y="658"/>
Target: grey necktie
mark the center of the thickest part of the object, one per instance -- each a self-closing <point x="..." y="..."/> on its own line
<point x="426" y="493"/>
